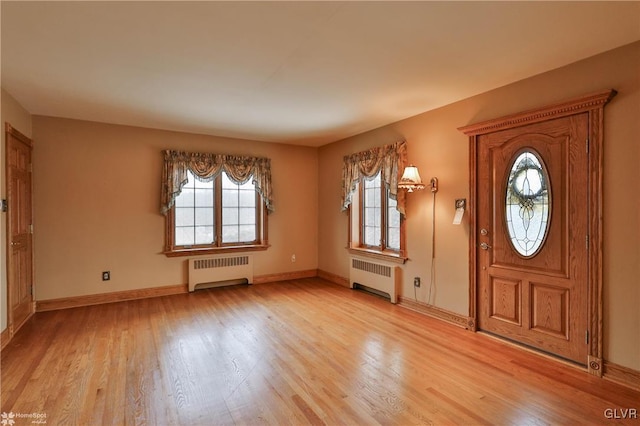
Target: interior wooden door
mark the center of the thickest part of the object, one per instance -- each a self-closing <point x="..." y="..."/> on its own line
<point x="532" y="230"/>
<point x="20" y="253"/>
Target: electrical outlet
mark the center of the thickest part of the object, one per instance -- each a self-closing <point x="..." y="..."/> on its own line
<point x="106" y="275"/>
<point x="293" y="258"/>
<point x="416" y="282"/>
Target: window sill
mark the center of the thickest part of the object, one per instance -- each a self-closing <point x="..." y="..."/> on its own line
<point x="215" y="250"/>
<point x="379" y="255"/>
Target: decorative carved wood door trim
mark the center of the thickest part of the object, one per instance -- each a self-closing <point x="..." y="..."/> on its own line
<point x="592" y="108"/>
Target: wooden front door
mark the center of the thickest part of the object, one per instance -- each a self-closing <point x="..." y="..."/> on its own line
<point x="542" y="287"/>
<point x="532" y="235"/>
<point x="20" y="253"/>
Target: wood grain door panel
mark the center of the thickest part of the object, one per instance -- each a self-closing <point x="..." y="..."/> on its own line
<point x="20" y="258"/>
<point x="539" y="300"/>
<point x="549" y="310"/>
<point x="504" y="298"/>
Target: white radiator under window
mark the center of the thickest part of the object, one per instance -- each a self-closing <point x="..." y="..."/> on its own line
<point x="219" y="271"/>
<point x="376" y="276"/>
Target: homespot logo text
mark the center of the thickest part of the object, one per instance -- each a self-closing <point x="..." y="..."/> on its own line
<point x="9" y="419"/>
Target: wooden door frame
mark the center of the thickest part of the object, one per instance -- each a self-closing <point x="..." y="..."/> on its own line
<point x="592" y="104"/>
<point x="11" y="327"/>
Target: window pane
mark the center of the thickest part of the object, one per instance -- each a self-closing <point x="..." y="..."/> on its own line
<point x="187" y="215"/>
<point x="394" y="218"/>
<point x="369" y="217"/>
<point x="394" y="239"/>
<point x="184" y="216"/>
<point x="185" y="236"/>
<point x="369" y="196"/>
<point x="204" y="234"/>
<point x="247" y="216"/>
<point x="204" y="197"/>
<point x="247" y="233"/>
<point x="377" y="236"/>
<point x="372" y="217"/>
<point x="229" y="198"/>
<point x="229" y="216"/>
<point x="376" y="197"/>
<point x="204" y="216"/>
<point x="393" y="228"/>
<point x="238" y="211"/>
<point x="369" y="236"/>
<point x="372" y="236"/>
<point x="247" y="198"/>
<point x="230" y="234"/>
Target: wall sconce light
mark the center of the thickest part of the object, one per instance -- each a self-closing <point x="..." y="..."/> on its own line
<point x="411" y="180"/>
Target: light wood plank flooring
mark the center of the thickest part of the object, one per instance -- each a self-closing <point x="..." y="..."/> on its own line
<point x="297" y="352"/>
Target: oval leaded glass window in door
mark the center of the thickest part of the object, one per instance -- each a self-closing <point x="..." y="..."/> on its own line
<point x="528" y="203"/>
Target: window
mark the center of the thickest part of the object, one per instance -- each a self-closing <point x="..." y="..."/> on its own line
<point x="238" y="212"/>
<point x="393" y="224"/>
<point x="216" y="215"/>
<point x="215" y="202"/>
<point x="380" y="217"/>
<point x="376" y="207"/>
<point x="527" y="205"/>
<point x="195" y="213"/>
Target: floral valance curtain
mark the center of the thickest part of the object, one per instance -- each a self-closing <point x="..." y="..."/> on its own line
<point x="389" y="160"/>
<point x="206" y="167"/>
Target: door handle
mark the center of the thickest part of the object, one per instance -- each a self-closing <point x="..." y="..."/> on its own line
<point x="485" y="246"/>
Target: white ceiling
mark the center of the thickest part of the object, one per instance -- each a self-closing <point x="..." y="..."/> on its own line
<point x="307" y="73"/>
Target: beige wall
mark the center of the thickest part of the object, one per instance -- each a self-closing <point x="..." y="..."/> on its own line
<point x="13" y="113"/>
<point x="438" y="149"/>
<point x="97" y="200"/>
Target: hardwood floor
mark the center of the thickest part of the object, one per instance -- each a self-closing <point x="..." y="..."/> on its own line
<point x="297" y="352"/>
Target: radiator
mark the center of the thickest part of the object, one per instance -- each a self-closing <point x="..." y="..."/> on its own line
<point x="376" y="276"/>
<point x="220" y="270"/>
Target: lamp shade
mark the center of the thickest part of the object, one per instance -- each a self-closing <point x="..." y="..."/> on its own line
<point x="410" y="179"/>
